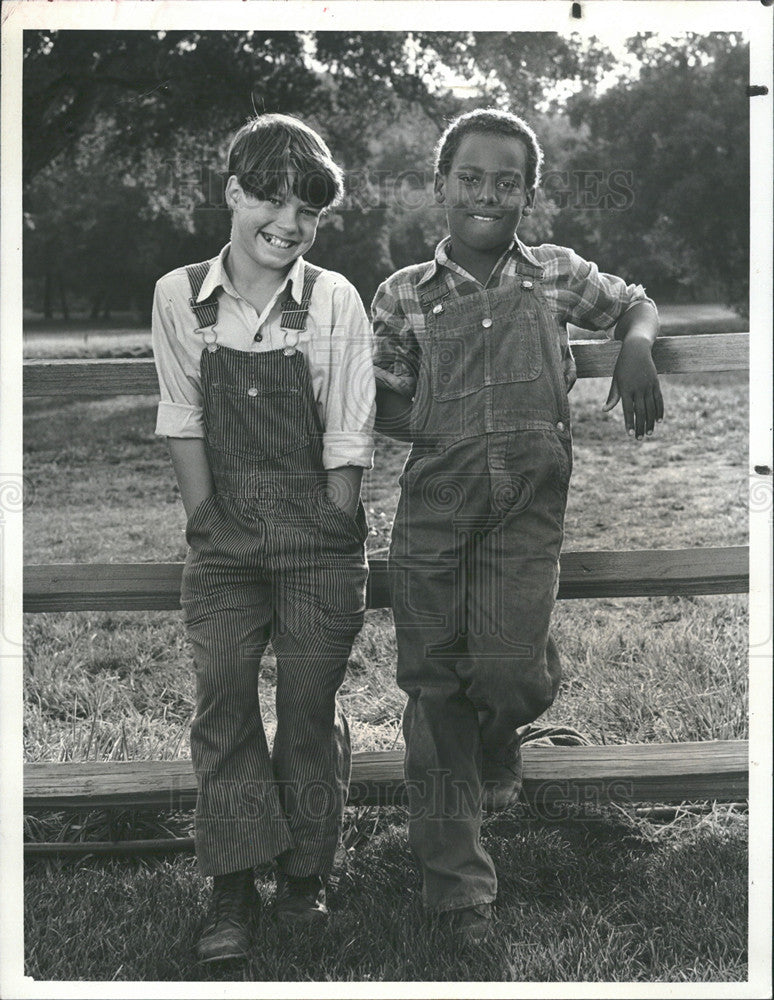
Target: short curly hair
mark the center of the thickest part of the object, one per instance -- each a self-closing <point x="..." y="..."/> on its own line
<point x="489" y="120"/>
<point x="273" y="154"/>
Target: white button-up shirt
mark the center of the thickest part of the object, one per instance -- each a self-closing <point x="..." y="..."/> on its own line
<point x="337" y="345"/>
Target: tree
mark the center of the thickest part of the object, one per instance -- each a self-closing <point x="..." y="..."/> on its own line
<point x="522" y="70"/>
<point x="125" y="136"/>
<point x="678" y="136"/>
<point x="156" y="86"/>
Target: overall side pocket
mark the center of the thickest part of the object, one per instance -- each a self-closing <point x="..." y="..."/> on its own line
<point x="195" y="522"/>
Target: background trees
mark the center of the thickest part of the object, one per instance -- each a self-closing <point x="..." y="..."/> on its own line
<point x="125" y="135"/>
<point x="680" y="130"/>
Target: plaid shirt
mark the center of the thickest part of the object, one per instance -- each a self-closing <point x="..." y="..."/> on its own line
<point x="576" y="290"/>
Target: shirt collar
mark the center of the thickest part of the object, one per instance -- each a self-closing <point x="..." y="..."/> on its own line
<point x="441" y="258"/>
<point x="217" y="277"/>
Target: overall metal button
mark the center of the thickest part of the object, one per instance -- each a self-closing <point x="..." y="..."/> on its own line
<point x="252" y="391"/>
<point x="526" y="284"/>
<point x="437" y="308"/>
<point x="560" y="426"/>
<point x="486" y="322"/>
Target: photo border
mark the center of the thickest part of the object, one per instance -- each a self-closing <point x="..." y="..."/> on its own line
<point x="402" y="15"/>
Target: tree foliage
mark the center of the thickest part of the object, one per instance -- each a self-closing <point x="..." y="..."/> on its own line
<point x="125" y="136"/>
<point x="680" y="134"/>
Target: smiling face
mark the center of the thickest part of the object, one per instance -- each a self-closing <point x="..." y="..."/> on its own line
<point x="484" y="194"/>
<point x="268" y="234"/>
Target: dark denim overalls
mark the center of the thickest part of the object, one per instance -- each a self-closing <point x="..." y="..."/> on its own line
<point x="475" y="560"/>
<point x="271" y="557"/>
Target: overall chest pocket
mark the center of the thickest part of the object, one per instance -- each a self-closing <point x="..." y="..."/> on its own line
<point x="456" y="363"/>
<point x="512" y="349"/>
<point x="257" y="418"/>
<point x="488" y="347"/>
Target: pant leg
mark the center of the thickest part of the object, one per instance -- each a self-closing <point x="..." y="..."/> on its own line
<point x="319" y="609"/>
<point x="513" y="669"/>
<point x="311" y="754"/>
<point x="227" y="609"/>
<point x="239" y="819"/>
<point x="440" y="724"/>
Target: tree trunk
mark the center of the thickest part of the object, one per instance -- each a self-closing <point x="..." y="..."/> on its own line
<point x="63" y="297"/>
<point x="48" y="312"/>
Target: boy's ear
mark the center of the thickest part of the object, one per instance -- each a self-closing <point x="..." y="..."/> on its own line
<point x="439" y="188"/>
<point x="233" y="190"/>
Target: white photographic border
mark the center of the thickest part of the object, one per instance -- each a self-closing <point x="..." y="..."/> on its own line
<point x="597" y="16"/>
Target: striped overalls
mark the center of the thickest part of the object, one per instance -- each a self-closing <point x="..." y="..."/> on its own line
<point x="474" y="560"/>
<point x="270" y="557"/>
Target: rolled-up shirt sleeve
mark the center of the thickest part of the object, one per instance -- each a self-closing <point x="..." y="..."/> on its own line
<point x="348" y="399"/>
<point x="397" y="352"/>
<point x="180" y="409"/>
<point x="595" y="300"/>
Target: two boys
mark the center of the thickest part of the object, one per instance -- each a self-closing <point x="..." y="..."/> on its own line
<point x="267" y="399"/>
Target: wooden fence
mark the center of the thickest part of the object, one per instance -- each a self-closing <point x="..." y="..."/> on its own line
<point x="583" y="775"/>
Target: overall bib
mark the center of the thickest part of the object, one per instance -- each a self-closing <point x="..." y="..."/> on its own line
<point x="474" y="561"/>
<point x="270" y="558"/>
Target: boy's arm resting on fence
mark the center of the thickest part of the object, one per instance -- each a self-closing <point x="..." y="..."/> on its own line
<point x="595" y="300"/>
<point x="192" y="469"/>
<point x="635" y="381"/>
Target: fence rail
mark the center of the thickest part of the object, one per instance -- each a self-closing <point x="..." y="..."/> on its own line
<point x="717" y="352"/>
<point x="635" y="573"/>
<point x="585" y="775"/>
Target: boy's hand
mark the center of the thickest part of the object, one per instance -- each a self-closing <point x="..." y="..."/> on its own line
<point x="635" y="383"/>
<point x="343" y="487"/>
<point x="189" y="460"/>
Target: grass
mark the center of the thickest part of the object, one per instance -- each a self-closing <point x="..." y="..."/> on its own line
<point x="616" y="899"/>
<point x="577" y="902"/>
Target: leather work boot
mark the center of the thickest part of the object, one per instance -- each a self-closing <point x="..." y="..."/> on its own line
<point x="300" y="901"/>
<point x="226" y="932"/>
<point x="501" y="777"/>
<point x="470" y="925"/>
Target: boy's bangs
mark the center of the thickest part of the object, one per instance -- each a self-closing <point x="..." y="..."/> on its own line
<point x="266" y="183"/>
<point x="316" y="186"/>
<point x="278" y="167"/>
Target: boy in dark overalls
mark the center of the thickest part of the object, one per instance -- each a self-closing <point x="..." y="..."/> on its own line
<point x="267" y="401"/>
<point x="473" y="366"/>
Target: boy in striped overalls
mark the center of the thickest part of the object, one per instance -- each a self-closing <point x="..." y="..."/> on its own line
<point x="267" y="403"/>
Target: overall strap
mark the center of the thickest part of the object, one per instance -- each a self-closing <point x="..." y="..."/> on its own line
<point x="526" y="269"/>
<point x="294" y="313"/>
<point x="433" y="293"/>
<point x="206" y="312"/>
